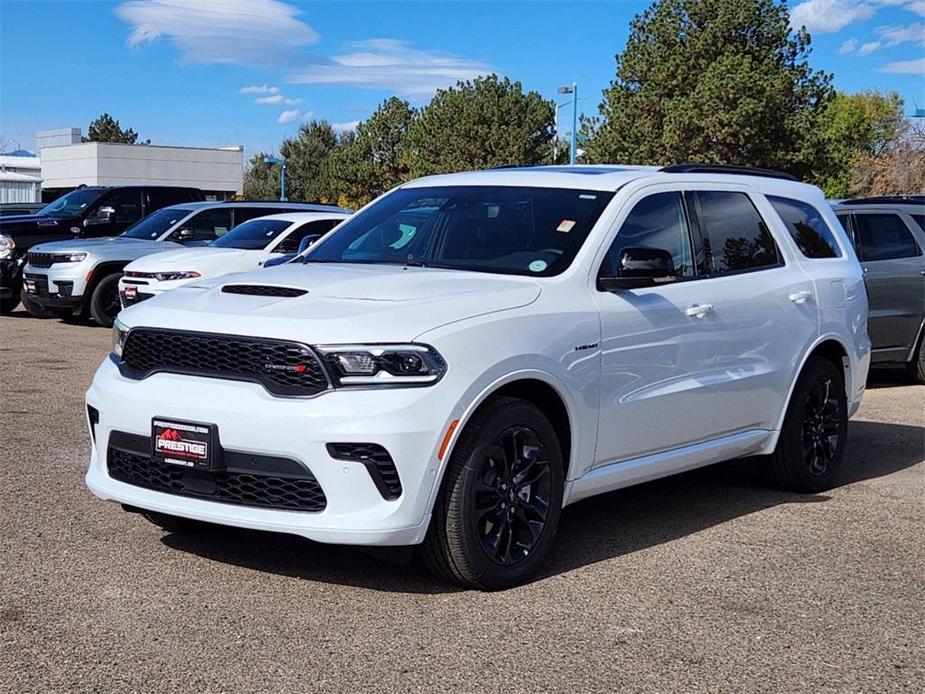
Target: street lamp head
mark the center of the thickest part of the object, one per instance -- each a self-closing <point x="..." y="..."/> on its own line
<point x="564" y="90"/>
<point x="272" y="160"/>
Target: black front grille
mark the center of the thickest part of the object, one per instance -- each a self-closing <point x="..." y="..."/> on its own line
<point x="295" y="490"/>
<point x="378" y="463"/>
<point x="41" y="283"/>
<point x="262" y="290"/>
<point x="65" y="288"/>
<point x="282" y="367"/>
<point x="132" y="300"/>
<point x="41" y="259"/>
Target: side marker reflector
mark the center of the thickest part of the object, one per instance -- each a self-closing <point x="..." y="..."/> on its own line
<point x="446" y="439"/>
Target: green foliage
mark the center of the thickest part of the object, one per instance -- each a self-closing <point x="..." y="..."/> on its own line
<point x="720" y="81"/>
<point x="261" y="180"/>
<point x="306" y="155"/>
<point x="107" y="129"/>
<point x="369" y="162"/>
<point x="855" y="128"/>
<point x="480" y="124"/>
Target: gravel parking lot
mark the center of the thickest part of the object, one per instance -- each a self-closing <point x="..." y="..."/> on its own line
<point x="704" y="582"/>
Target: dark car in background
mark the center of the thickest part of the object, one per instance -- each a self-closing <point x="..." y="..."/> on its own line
<point x="86" y="212"/>
<point x="888" y="234"/>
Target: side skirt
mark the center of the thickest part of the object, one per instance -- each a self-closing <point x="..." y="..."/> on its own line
<point x="626" y="473"/>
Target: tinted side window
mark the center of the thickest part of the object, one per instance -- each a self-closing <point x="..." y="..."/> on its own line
<point x="290" y="244"/>
<point x="162" y="197"/>
<point x="919" y="219"/>
<point x="126" y="205"/>
<point x="242" y="214"/>
<point x="208" y="225"/>
<point x="884" y="237"/>
<point x="657" y="221"/>
<point x="807" y="227"/>
<point x="735" y="235"/>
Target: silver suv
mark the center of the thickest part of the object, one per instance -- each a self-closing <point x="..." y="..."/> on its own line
<point x="80" y="276"/>
<point x="888" y="234"/>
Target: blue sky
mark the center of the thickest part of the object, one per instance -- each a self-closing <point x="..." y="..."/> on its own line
<point x="219" y="72"/>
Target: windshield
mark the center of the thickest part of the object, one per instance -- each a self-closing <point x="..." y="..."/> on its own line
<point x="71" y="204"/>
<point x="252" y="235"/>
<point x="500" y="229"/>
<point x="156" y="223"/>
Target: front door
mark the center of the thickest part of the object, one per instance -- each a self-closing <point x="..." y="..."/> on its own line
<point x="657" y="342"/>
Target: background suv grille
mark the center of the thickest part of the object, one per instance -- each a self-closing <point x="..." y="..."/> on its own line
<point x="256" y="488"/>
<point x="282" y="367"/>
<point x="41" y="259"/>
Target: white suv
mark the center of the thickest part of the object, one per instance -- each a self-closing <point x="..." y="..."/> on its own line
<point x="472" y="352"/>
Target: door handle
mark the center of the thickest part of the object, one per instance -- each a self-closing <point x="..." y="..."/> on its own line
<point x="699" y="310"/>
<point x="800" y="297"/>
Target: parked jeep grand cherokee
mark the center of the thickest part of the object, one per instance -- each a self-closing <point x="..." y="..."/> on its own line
<point x="87" y="212"/>
<point x="74" y="277"/>
<point x="470" y="353"/>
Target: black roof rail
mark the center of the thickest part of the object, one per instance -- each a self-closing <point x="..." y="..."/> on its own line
<point x="887" y="200"/>
<point x="283" y="202"/>
<point x="728" y="169"/>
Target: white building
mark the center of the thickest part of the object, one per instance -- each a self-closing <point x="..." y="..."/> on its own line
<point x="20" y="179"/>
<point x="218" y="172"/>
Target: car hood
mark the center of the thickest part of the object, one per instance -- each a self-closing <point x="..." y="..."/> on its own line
<point x="31" y="222"/>
<point x="106" y="248"/>
<point x="211" y="260"/>
<point x="343" y="303"/>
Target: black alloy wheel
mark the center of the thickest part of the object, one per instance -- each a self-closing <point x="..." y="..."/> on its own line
<point x="512" y="496"/>
<point x="821" y="431"/>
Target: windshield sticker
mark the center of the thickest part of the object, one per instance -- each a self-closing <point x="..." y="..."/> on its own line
<point x="537" y="266"/>
<point x="566" y="225"/>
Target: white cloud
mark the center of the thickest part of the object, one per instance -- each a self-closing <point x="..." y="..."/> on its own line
<point x="343" y="127"/>
<point x="393" y="65"/>
<point x="905" y="67"/>
<point x="276" y="100"/>
<point x="918" y="6"/>
<point x="910" y="33"/>
<point x="848" y="47"/>
<point x="260" y="89"/>
<point x="869" y="48"/>
<point x="241" y="32"/>
<point x="828" y="16"/>
<point x="288" y="116"/>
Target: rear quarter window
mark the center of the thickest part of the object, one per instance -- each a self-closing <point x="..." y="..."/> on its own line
<point x="808" y="229"/>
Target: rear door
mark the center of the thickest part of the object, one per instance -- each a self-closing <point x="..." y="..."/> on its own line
<point x="765" y="315"/>
<point x="893" y="265"/>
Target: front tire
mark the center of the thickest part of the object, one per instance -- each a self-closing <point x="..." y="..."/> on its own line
<point x="496" y="516"/>
<point x="812" y="440"/>
<point x="104" y="300"/>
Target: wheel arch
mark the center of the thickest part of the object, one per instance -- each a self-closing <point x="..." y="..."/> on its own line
<point x="538" y="387"/>
<point x="103" y="270"/>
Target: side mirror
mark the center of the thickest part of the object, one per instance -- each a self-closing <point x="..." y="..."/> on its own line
<point x="185" y="233"/>
<point x="640" y="267"/>
<point x="103" y="215"/>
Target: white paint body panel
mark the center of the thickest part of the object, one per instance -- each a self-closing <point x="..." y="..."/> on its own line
<point x="651" y="390"/>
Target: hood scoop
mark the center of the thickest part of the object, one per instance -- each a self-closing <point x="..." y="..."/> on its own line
<point x="262" y="290"/>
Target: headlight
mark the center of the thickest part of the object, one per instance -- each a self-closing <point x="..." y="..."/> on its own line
<point x="383" y="365"/>
<point x="119" y="333"/>
<point x="6" y="246"/>
<point x="170" y="276"/>
<point x="69" y="257"/>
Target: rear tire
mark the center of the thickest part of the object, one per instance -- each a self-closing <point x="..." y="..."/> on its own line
<point x="812" y="440"/>
<point x="496" y="516"/>
<point x="916" y="367"/>
<point x="104" y="300"/>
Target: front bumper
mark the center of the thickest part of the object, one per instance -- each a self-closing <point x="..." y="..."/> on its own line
<point x="40" y="290"/>
<point x="408" y="423"/>
<point x="62" y="285"/>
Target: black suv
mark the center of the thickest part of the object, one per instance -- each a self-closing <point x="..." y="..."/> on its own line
<point x="87" y="212"/>
<point x="889" y="235"/>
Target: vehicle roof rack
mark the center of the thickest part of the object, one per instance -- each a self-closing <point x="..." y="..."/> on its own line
<point x="887" y="200"/>
<point x="728" y="169"/>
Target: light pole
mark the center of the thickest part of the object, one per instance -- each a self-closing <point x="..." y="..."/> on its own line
<point x="282" y="174"/>
<point x="573" y="90"/>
